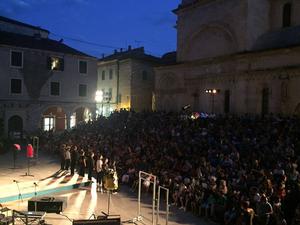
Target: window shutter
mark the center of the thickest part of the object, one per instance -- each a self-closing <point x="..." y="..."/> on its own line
<point x="49" y="60"/>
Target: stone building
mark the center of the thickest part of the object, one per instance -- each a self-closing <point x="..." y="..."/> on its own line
<point x="45" y="84"/>
<point x="234" y="56"/>
<point x="126" y="80"/>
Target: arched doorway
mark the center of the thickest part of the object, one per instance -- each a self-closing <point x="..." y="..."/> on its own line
<point x="15" y="127"/>
<point x="80" y="115"/>
<point x="54" y="119"/>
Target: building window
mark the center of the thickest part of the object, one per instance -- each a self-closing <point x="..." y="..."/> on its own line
<point x="145" y="75"/>
<point x="48" y="123"/>
<point x="54" y="89"/>
<point x="16" y="59"/>
<point x="83" y="67"/>
<point x="73" y="120"/>
<point x="56" y="63"/>
<point x="227" y="101"/>
<point x="110" y="74"/>
<point x="15" y="86"/>
<point x="103" y="75"/>
<point x="284" y="91"/>
<point x="286" y="15"/>
<point x="82" y="90"/>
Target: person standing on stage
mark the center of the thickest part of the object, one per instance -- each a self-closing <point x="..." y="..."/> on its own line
<point x="62" y="156"/>
<point x="90" y="164"/>
<point x="82" y="163"/>
<point x="74" y="158"/>
<point x="99" y="170"/>
<point x="67" y="158"/>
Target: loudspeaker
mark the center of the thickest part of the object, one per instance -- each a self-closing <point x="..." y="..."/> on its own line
<point x="47" y="204"/>
<point x="100" y="221"/>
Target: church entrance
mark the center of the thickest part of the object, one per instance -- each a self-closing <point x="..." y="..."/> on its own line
<point x="265" y="101"/>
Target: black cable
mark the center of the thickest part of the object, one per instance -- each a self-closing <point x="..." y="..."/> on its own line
<point x="86" y="42"/>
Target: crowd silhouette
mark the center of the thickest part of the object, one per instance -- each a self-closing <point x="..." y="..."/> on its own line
<point x="231" y="169"/>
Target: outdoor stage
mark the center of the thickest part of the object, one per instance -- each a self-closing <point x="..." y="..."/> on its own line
<point x="82" y="199"/>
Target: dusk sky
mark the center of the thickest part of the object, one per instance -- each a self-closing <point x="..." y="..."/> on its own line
<point x="109" y="24"/>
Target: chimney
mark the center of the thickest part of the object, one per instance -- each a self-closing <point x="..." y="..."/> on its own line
<point x="129" y="48"/>
<point x="116" y="51"/>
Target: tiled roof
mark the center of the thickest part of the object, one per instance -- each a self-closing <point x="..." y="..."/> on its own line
<point x="137" y="53"/>
<point x="169" y="58"/>
<point x="24" y="41"/>
<point x="284" y="38"/>
<point x="8" y="20"/>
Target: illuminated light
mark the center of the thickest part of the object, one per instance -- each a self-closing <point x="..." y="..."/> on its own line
<point x="214" y="91"/>
<point x="99" y="96"/>
<point x="206" y="91"/>
<point x="209" y="91"/>
<point x="73" y="120"/>
<point x="54" y="63"/>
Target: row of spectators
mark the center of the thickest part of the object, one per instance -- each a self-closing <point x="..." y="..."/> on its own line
<point x="236" y="170"/>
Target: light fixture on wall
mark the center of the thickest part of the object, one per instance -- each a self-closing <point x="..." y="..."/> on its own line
<point x="212" y="92"/>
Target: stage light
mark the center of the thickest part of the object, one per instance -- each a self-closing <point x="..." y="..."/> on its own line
<point x="214" y="91"/>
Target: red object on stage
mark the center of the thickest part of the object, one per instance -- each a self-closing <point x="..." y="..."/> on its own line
<point x="17" y="147"/>
<point x="30" y="151"/>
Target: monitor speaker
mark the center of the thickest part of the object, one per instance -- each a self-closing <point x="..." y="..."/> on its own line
<point x="99" y="221"/>
<point x="47" y="204"/>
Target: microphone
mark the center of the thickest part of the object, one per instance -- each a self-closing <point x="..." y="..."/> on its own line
<point x="35" y="184"/>
<point x="15" y="181"/>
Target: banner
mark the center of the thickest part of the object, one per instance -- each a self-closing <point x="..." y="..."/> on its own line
<point x="30" y="151"/>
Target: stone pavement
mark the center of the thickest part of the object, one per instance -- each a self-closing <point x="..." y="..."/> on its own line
<point x="82" y="202"/>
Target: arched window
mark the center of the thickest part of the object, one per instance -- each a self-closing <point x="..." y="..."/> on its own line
<point x="284" y="91"/>
<point x="15" y="126"/>
<point x="286" y="15"/>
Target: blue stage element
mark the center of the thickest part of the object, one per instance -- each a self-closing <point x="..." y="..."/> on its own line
<point x="44" y="192"/>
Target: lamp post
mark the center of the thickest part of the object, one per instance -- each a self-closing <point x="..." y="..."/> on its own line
<point x="99" y="99"/>
<point x="212" y="93"/>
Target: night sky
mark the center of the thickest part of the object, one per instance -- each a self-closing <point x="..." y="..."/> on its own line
<point x="108" y="24"/>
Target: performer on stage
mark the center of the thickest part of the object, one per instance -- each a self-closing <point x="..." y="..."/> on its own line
<point x="90" y="164"/>
<point x="111" y="178"/>
<point x="100" y="172"/>
<point x="82" y="163"/>
<point x="74" y="158"/>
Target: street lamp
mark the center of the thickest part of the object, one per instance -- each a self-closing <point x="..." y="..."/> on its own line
<point x="99" y="99"/>
<point x="212" y="93"/>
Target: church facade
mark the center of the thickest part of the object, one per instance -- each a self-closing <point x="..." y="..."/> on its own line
<point x="234" y="56"/>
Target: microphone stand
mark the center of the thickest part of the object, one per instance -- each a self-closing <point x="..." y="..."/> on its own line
<point x="20" y="195"/>
<point x="35" y="194"/>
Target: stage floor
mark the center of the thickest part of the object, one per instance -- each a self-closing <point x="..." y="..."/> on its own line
<point x="82" y="202"/>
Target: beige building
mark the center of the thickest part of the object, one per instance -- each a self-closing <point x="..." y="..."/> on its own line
<point x="45" y="84"/>
<point x="234" y="56"/>
<point x="126" y="80"/>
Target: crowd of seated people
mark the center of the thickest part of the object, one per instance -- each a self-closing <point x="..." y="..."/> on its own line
<point x="234" y="170"/>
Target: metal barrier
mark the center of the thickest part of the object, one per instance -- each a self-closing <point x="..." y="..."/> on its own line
<point x="158" y="204"/>
<point x="143" y="176"/>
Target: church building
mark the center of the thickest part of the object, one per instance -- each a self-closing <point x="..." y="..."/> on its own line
<point x="234" y="56"/>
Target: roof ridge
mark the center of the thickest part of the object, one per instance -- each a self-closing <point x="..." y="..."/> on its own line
<point x="9" y="20"/>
